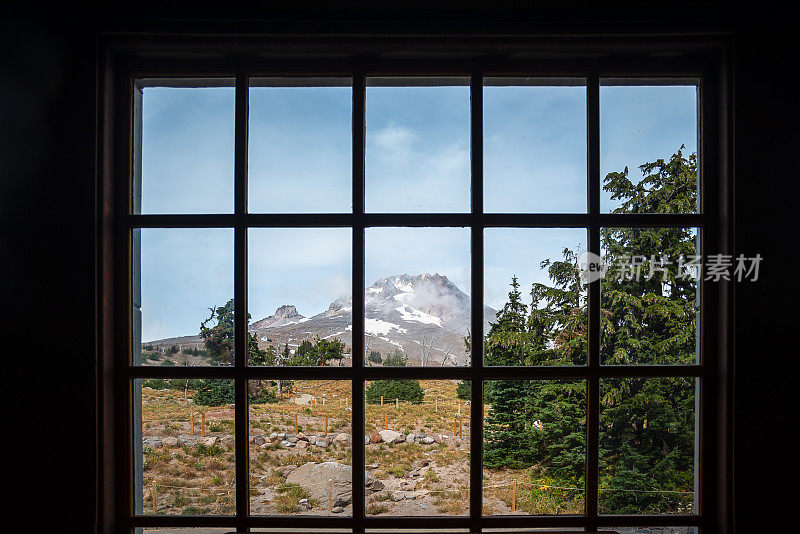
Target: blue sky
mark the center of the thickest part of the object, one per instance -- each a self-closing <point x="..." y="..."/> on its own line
<point x="417" y="159"/>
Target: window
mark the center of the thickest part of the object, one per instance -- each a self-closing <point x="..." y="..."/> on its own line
<point x="316" y="262"/>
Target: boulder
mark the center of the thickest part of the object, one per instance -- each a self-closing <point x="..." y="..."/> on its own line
<point x="292" y="439"/>
<point x="304" y="504"/>
<point x="439" y="438"/>
<point x="153" y="443"/>
<point x="302" y="437"/>
<point x="337" y="510"/>
<point x="314" y="478"/>
<point x="258" y="440"/>
<point x="376" y="437"/>
<point x="421" y="435"/>
<point x="411" y="438"/>
<point x="342" y="440"/>
<point x="389" y="436"/>
<point x="208" y="441"/>
<point x="170" y="441"/>
<point x="398" y="496"/>
<point x="427" y="441"/>
<point x="301" y="445"/>
<point x="273" y="436"/>
<point x="286" y="443"/>
<point x="324" y="443"/>
<point x="366" y="440"/>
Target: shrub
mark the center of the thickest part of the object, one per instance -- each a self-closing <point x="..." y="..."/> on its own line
<point x="464" y="390"/>
<point x="215" y="392"/>
<point x="396" y="358"/>
<point x="406" y="390"/>
<point x="375" y="357"/>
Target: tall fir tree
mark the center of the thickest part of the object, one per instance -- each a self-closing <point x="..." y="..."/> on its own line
<point x="506" y="429"/>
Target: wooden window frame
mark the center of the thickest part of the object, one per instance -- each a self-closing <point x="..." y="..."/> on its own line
<point x="126" y="59"/>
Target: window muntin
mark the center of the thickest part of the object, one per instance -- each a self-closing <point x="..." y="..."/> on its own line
<point x="591" y="373"/>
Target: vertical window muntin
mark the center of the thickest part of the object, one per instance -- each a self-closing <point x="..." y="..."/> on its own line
<point x="590" y="221"/>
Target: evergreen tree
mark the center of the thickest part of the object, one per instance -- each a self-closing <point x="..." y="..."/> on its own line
<point x="219" y="339"/>
<point x="506" y="430"/>
<point x="310" y="354"/>
<point x="396" y="358"/>
<point x="647" y="424"/>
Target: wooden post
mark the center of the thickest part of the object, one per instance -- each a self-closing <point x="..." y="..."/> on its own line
<point x="455" y="427"/>
<point x="323" y="401"/>
<point x="437" y="403"/>
<point x="326" y="425"/>
<point x="154" y="494"/>
<point x="191" y="417"/>
<point x="396" y="403"/>
<point x="295" y="424"/>
<point x="184" y="392"/>
<point x="460" y="427"/>
<point x="381" y="400"/>
<point x="514" y="498"/>
<point x="387" y="422"/>
<point x="330" y="494"/>
<point x="203" y="425"/>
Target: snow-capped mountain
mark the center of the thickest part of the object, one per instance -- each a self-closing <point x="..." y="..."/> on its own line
<point x="426" y="316"/>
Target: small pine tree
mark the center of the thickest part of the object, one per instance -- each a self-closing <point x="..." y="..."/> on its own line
<point x="396" y="358"/>
<point x="506" y="428"/>
<point x="464" y="390"/>
<point x="215" y="392"/>
<point x="375" y="357"/>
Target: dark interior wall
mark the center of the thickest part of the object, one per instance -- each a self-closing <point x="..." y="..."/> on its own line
<point x="47" y="124"/>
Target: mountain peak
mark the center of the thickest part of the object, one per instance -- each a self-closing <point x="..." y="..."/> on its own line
<point x="284" y="315"/>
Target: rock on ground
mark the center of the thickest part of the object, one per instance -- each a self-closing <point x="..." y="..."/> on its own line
<point x="390" y="436"/>
<point x="315" y="479"/>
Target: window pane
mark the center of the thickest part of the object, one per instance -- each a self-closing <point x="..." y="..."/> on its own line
<point x="417" y="310"/>
<point x="542" y="320"/>
<point x="184" y="148"/>
<point x="647" y="446"/>
<point x="534" y="145"/>
<point x="417" y="448"/>
<point x="184" y="447"/>
<point x="653" y="125"/>
<point x="649" y="296"/>
<point x="301" y="447"/>
<point x="299" y="287"/>
<point x="534" y="447"/>
<point x="417" y="145"/>
<point x="183" y="296"/>
<point x="300" y="141"/>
